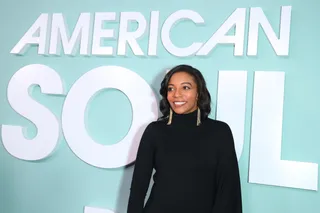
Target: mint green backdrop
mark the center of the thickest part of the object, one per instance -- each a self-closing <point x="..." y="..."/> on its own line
<point x="65" y="184"/>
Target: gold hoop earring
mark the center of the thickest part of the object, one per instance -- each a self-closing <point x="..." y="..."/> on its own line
<point x="170" y="117"/>
<point x="198" y="117"/>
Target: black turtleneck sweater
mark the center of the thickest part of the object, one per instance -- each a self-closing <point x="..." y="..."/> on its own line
<point x="196" y="168"/>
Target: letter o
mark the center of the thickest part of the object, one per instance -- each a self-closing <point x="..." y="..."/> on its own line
<point x="144" y="107"/>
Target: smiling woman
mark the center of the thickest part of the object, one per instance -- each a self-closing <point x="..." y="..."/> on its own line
<point x="182" y="93"/>
<point x="184" y="90"/>
<point x="193" y="155"/>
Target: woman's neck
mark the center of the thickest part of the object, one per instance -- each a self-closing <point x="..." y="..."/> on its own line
<point x="185" y="120"/>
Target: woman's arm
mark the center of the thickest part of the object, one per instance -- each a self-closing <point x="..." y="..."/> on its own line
<point x="142" y="171"/>
<point x="228" y="197"/>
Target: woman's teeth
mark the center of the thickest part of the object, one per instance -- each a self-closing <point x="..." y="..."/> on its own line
<point x="179" y="103"/>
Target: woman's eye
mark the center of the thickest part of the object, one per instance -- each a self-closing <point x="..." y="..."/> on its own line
<point x="186" y="87"/>
<point x="170" y="89"/>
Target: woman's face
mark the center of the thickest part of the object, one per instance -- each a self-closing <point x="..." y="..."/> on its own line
<point x="182" y="93"/>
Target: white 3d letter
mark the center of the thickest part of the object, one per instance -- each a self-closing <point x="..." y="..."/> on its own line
<point x="165" y="33"/>
<point x="40" y="24"/>
<point x="266" y="166"/>
<point x="144" y="107"/>
<point x="237" y="18"/>
<point x="232" y="89"/>
<point x="281" y="45"/>
<point x="19" y="99"/>
<point x="131" y="37"/>
<point x="59" y="28"/>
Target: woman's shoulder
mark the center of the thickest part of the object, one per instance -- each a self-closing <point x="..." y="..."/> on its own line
<point x="156" y="125"/>
<point x="217" y="123"/>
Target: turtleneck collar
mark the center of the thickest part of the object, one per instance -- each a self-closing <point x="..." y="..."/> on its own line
<point x="184" y="120"/>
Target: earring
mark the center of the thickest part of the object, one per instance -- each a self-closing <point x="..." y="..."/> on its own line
<point x="198" y="117"/>
<point x="170" y="117"/>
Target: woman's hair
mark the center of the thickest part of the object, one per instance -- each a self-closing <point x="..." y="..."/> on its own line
<point x="204" y="98"/>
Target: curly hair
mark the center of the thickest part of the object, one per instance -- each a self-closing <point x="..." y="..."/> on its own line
<point x="204" y="98"/>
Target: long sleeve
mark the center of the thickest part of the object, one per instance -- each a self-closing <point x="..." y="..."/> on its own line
<point x="228" y="194"/>
<point x="142" y="172"/>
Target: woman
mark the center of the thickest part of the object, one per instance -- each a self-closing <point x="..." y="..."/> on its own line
<point x="196" y="168"/>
